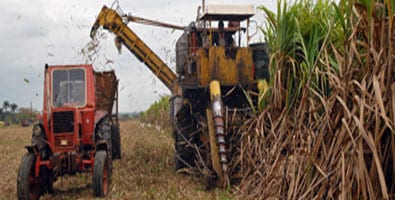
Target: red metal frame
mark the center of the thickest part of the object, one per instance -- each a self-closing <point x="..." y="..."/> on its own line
<point x="83" y="115"/>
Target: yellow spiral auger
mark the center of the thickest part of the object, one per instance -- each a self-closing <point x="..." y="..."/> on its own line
<point x="217" y="134"/>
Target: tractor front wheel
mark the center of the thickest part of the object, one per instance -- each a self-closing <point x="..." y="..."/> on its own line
<point x="27" y="185"/>
<point x="101" y="174"/>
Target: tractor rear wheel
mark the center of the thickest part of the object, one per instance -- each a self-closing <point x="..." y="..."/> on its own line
<point x="116" y="141"/>
<point x="101" y="174"/>
<point x="28" y="187"/>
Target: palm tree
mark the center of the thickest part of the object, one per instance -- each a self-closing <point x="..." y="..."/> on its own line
<point x="6" y="105"/>
<point x="13" y="107"/>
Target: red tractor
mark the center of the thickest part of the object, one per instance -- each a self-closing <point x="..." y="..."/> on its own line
<point x="79" y="131"/>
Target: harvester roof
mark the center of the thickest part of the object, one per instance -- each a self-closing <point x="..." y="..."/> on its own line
<point x="228" y="12"/>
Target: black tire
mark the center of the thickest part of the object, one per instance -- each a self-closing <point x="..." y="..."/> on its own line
<point x="49" y="182"/>
<point x="27" y="186"/>
<point x="50" y="188"/>
<point x="116" y="141"/>
<point x="101" y="174"/>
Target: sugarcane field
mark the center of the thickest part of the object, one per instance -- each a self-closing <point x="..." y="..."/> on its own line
<point x="205" y="99"/>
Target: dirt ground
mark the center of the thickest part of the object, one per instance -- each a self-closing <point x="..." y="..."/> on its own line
<point x="145" y="172"/>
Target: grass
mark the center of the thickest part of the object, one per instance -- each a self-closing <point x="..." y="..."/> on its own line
<point x="12" y="140"/>
<point x="158" y="113"/>
<point x="145" y="172"/>
<point x="328" y="129"/>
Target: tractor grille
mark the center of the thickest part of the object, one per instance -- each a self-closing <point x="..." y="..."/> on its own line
<point x="63" y="122"/>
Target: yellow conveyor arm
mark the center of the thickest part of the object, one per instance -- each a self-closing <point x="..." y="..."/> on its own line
<point x="109" y="19"/>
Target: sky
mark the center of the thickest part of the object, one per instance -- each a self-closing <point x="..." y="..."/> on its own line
<point x="37" y="32"/>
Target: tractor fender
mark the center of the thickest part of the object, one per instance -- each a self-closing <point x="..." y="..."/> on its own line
<point x="39" y="139"/>
<point x="32" y="148"/>
<point x="99" y="116"/>
<point x="38" y="136"/>
<point x="103" y="133"/>
<point x="101" y="145"/>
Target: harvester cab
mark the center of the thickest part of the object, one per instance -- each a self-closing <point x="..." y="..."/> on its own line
<point x="211" y="48"/>
<point x="213" y="19"/>
<point x="214" y="74"/>
<point x="79" y="131"/>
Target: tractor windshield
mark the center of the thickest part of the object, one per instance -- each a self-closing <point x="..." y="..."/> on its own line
<point x="68" y="87"/>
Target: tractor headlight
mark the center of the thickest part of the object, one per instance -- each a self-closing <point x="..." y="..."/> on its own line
<point x="63" y="142"/>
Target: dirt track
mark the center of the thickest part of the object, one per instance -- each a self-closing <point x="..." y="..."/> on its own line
<point x="145" y="171"/>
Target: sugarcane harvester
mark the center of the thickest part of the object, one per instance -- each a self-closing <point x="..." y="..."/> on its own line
<point x="213" y="72"/>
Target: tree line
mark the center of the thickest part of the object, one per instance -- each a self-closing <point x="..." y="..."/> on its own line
<point x="11" y="113"/>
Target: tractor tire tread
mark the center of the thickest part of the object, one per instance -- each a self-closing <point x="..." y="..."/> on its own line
<point x="26" y="167"/>
<point x="101" y="160"/>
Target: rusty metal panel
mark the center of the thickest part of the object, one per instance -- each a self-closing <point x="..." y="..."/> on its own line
<point x="229" y="68"/>
<point x="106" y="87"/>
<point x="203" y="72"/>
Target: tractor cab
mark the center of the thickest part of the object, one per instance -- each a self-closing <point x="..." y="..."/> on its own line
<point x="69" y="102"/>
<point x="68" y="87"/>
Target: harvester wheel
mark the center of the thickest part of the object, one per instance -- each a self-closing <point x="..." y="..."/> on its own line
<point x="101" y="174"/>
<point x="28" y="187"/>
<point x="116" y="141"/>
<point x="184" y="157"/>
